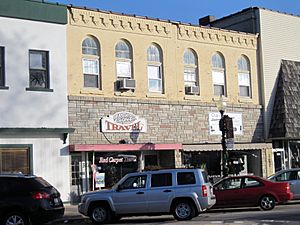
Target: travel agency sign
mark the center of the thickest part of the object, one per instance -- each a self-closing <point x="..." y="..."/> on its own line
<point x="123" y="122"/>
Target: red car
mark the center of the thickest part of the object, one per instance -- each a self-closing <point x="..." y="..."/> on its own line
<point x="250" y="190"/>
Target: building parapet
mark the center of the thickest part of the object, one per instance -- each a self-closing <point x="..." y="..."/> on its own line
<point x="168" y="29"/>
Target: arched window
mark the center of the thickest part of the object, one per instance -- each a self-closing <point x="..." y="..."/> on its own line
<point x="123" y="55"/>
<point x="218" y="74"/>
<point x="190" y="68"/>
<point x="90" y="61"/>
<point x="244" y="77"/>
<point x="154" y="59"/>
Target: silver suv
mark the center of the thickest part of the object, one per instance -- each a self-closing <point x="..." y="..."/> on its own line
<point x="292" y="176"/>
<point x="182" y="192"/>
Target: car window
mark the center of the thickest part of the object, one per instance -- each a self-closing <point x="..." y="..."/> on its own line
<point x="230" y="183"/>
<point x="184" y="178"/>
<point x="41" y="183"/>
<point x="250" y="182"/>
<point x="161" y="180"/>
<point x="286" y="176"/>
<point x="204" y="175"/>
<point x="134" y="182"/>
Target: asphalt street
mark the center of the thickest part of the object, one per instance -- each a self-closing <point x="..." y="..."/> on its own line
<point x="287" y="214"/>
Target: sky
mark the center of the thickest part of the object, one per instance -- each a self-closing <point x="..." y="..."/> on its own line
<point x="186" y="11"/>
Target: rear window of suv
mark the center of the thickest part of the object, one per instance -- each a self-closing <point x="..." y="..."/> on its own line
<point x="205" y="178"/>
<point x="41" y="183"/>
<point x="184" y="178"/>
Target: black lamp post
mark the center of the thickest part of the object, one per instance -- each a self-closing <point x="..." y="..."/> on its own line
<point x="221" y="105"/>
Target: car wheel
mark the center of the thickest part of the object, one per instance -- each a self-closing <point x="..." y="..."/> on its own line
<point x="267" y="202"/>
<point x="100" y="214"/>
<point x="184" y="210"/>
<point x="15" y="218"/>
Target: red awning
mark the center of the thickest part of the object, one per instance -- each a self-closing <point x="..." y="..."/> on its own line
<point x="122" y="147"/>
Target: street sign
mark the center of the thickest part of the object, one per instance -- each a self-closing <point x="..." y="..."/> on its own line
<point x="229" y="143"/>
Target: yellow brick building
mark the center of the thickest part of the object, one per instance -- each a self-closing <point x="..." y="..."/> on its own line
<point x="170" y="74"/>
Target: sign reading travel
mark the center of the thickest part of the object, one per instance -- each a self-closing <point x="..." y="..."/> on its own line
<point x="123" y="122"/>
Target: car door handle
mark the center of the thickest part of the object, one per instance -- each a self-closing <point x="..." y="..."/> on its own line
<point x="167" y="191"/>
<point x="140" y="193"/>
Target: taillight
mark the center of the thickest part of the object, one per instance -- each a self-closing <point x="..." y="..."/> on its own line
<point x="204" y="191"/>
<point x="40" y="195"/>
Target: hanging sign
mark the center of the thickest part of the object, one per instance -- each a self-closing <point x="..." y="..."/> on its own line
<point x="122" y="122"/>
<point x="215" y="117"/>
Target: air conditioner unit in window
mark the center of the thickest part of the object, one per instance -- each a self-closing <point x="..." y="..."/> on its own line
<point x="126" y="84"/>
<point x="192" y="90"/>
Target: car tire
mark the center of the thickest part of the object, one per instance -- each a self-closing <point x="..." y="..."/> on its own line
<point x="100" y="214"/>
<point x="267" y="202"/>
<point x="184" y="210"/>
<point x="15" y="218"/>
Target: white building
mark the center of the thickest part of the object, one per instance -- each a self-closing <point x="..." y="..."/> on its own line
<point x="33" y="91"/>
<point x="279" y="55"/>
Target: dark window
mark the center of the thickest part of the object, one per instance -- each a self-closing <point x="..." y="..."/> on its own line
<point x="186" y="178"/>
<point x="38" y="69"/>
<point x="162" y="179"/>
<point x="150" y="160"/>
<point x="75" y="170"/>
<point x="290" y="175"/>
<point x="2" y="67"/>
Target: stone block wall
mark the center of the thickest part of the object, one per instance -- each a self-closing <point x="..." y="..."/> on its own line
<point x="167" y="121"/>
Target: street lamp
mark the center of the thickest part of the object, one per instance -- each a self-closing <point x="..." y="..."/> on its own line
<point x="221" y="105"/>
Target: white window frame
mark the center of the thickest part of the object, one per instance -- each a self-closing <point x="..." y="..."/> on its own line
<point x="156" y="63"/>
<point x="244" y="76"/>
<point x="91" y="73"/>
<point x="39" y="71"/>
<point x="124" y="64"/>
<point x="157" y="77"/>
<point x="190" y="69"/>
<point x="218" y="74"/>
<point x="91" y="53"/>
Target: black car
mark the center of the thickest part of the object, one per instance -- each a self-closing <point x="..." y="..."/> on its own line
<point x="28" y="200"/>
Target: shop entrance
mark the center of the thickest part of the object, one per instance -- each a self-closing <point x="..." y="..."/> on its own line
<point x="278" y="155"/>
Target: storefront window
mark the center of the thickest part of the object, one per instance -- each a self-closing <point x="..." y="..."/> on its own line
<point x="112" y="167"/>
<point x="209" y="161"/>
<point x="295" y="153"/>
<point x="14" y="160"/>
<point x="75" y="170"/>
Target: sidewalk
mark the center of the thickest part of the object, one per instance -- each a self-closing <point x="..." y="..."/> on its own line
<point x="71" y="211"/>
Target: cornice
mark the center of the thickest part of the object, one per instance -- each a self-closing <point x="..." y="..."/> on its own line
<point x="217" y="36"/>
<point x="115" y="22"/>
<point x="143" y="25"/>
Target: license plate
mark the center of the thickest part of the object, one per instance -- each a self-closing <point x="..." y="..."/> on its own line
<point x="56" y="201"/>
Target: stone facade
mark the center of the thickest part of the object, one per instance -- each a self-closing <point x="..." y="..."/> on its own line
<point x="168" y="121"/>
